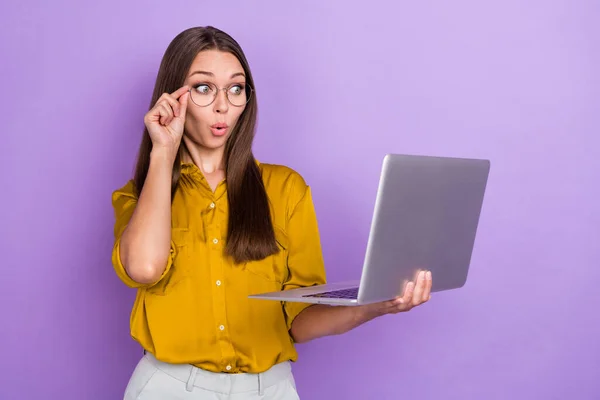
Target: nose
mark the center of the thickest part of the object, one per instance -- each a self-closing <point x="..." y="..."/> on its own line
<point x="221" y="104"/>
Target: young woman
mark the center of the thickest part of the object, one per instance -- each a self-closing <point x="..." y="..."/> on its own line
<point x="203" y="224"/>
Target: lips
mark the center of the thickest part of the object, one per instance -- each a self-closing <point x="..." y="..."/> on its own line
<point x="219" y="129"/>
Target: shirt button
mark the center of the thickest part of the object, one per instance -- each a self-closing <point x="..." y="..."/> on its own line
<point x="212" y="205"/>
<point x="215" y="240"/>
<point x="222" y="327"/>
<point x="228" y="368"/>
<point x="218" y="283"/>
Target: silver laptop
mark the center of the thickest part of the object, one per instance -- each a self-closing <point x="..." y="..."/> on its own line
<point x="426" y="216"/>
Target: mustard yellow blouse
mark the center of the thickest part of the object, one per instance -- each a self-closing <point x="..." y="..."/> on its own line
<point x="199" y="311"/>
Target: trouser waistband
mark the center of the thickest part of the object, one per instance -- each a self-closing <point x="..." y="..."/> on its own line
<point x="222" y="382"/>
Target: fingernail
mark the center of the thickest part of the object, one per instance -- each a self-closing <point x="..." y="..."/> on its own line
<point x="429" y="275"/>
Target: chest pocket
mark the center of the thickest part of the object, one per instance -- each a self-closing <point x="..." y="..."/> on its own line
<point x="180" y="251"/>
<point x="273" y="268"/>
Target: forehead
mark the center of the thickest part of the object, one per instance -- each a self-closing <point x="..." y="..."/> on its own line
<point x="221" y="64"/>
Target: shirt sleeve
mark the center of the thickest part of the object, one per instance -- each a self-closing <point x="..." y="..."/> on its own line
<point x="124" y="201"/>
<point x="305" y="259"/>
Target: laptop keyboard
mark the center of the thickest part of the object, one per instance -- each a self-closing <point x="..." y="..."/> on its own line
<point x="337" y="294"/>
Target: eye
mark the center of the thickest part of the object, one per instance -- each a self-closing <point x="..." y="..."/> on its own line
<point x="204" y="88"/>
<point x="236" y="90"/>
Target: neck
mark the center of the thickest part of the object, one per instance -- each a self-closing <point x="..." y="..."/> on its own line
<point x="208" y="160"/>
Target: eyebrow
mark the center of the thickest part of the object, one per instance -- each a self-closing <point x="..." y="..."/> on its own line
<point x="211" y="74"/>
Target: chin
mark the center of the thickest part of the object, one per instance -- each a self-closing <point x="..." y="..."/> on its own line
<point x="209" y="141"/>
<point x="215" y="142"/>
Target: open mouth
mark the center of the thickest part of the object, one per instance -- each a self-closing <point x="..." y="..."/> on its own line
<point x="219" y="128"/>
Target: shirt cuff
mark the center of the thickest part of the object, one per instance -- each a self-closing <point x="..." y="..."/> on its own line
<point x="122" y="272"/>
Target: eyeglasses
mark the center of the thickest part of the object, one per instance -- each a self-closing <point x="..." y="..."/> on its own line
<point x="204" y="94"/>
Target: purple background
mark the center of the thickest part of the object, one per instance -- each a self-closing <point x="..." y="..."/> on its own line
<point x="339" y="86"/>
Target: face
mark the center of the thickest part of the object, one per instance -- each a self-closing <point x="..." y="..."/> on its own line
<point x="210" y="126"/>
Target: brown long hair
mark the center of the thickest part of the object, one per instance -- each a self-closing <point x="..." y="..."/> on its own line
<point x="250" y="232"/>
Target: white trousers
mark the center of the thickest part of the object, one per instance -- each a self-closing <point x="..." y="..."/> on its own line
<point x="156" y="380"/>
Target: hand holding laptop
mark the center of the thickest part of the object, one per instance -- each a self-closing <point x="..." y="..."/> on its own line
<point x="415" y="294"/>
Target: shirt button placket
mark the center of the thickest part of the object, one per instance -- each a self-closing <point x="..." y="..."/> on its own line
<point x="219" y="304"/>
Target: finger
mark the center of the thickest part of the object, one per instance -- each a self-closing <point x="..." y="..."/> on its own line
<point x="394" y="305"/>
<point x="169" y="114"/>
<point x="403" y="303"/>
<point x="419" y="288"/>
<point x="179" y="92"/>
<point x="408" y="293"/>
<point x="183" y="104"/>
<point x="161" y="113"/>
<point x="166" y="114"/>
<point x="170" y="102"/>
<point x="428" y="284"/>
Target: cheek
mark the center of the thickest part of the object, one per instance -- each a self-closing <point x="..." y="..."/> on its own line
<point x="195" y="117"/>
<point x="237" y="114"/>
